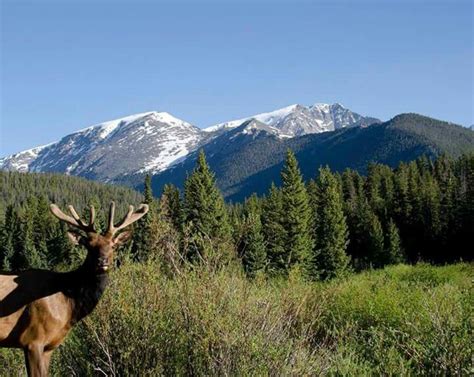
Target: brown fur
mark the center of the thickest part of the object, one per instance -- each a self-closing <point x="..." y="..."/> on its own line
<point x="38" y="307"/>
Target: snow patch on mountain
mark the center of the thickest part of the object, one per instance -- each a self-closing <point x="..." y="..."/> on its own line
<point x="102" y="130"/>
<point x="21" y="160"/>
<point x="268" y="118"/>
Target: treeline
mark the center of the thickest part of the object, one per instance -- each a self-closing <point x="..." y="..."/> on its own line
<point x="29" y="235"/>
<point x="422" y="210"/>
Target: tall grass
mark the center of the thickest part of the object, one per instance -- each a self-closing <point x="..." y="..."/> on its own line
<point x="402" y="320"/>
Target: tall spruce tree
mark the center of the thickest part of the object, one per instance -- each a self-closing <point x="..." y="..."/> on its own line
<point x="447" y="181"/>
<point x="465" y="206"/>
<point x="171" y="207"/>
<point x="380" y="189"/>
<point x="252" y="245"/>
<point x="274" y="231"/>
<point x="143" y="233"/>
<point x="8" y="234"/>
<point x="296" y="215"/>
<point x="204" y="209"/>
<point x="26" y="254"/>
<point x="330" y="258"/>
<point x="375" y="245"/>
<point x="393" y="248"/>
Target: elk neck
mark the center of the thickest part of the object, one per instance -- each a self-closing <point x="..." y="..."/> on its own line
<point x="85" y="286"/>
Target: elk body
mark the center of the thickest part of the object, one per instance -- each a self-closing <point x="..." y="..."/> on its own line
<point x="39" y="307"/>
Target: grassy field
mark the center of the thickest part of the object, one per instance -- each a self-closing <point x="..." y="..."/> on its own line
<point x="402" y="320"/>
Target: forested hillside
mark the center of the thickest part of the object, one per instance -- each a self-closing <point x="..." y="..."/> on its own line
<point x="246" y="163"/>
<point x="17" y="188"/>
<point x="29" y="234"/>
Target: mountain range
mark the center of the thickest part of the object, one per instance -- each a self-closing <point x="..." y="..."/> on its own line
<point x="247" y="153"/>
<point x="153" y="141"/>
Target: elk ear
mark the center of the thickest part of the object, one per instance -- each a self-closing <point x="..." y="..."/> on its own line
<point x="74" y="237"/>
<point x="122" y="238"/>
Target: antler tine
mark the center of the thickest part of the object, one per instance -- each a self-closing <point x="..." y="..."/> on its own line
<point x="76" y="216"/>
<point x="125" y="219"/>
<point x="75" y="220"/>
<point x="85" y="227"/>
<point x="110" y="228"/>
<point x="62" y="216"/>
<point x="129" y="218"/>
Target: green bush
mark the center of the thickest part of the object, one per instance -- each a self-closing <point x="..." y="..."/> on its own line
<point x="403" y="320"/>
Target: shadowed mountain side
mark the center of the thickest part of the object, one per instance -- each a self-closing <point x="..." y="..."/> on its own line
<point x="246" y="162"/>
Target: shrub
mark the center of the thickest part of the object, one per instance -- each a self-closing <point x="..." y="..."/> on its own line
<point x="402" y="320"/>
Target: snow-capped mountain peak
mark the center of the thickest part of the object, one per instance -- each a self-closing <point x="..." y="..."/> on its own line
<point x="297" y="120"/>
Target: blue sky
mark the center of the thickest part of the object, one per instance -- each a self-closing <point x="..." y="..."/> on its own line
<point x="69" y="64"/>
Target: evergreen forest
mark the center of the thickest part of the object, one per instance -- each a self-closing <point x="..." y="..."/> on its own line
<point x="335" y="223"/>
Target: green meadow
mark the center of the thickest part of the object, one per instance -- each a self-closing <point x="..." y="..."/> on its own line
<point x="402" y="320"/>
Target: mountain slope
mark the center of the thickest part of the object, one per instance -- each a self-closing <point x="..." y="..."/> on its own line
<point x="246" y="162"/>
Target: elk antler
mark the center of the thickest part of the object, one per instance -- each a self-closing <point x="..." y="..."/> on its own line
<point x="75" y="220"/>
<point x="129" y="218"/>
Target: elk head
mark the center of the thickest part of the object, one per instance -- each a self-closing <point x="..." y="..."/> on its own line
<point x="100" y="247"/>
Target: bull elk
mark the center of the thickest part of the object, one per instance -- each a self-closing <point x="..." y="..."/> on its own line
<point x="39" y="307"/>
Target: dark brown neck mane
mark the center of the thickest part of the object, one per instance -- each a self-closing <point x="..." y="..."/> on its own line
<point x="85" y="288"/>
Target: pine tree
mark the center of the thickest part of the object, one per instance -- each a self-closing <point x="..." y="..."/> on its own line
<point x="170" y="206"/>
<point x="297" y="215"/>
<point x="393" y="249"/>
<point x="402" y="205"/>
<point x="204" y="209"/>
<point x="142" y="236"/>
<point x="330" y="258"/>
<point x="312" y="190"/>
<point x="465" y="206"/>
<point x="26" y="255"/>
<point x="42" y="229"/>
<point x="447" y="181"/>
<point x="273" y="230"/>
<point x="406" y="207"/>
<point x="380" y="189"/>
<point x="375" y="245"/>
<point x="431" y="205"/>
<point x="101" y="211"/>
<point x="252" y="245"/>
<point x="7" y="245"/>
<point x="61" y="250"/>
